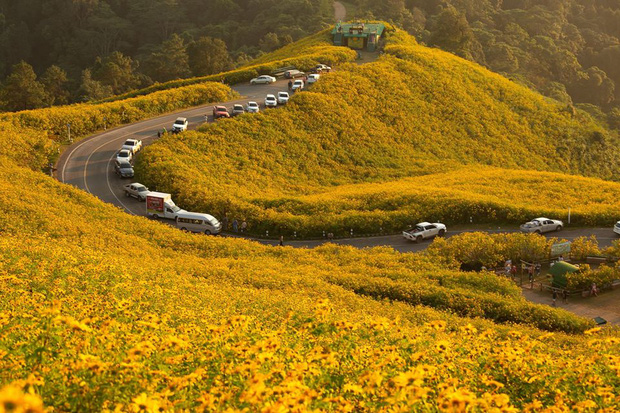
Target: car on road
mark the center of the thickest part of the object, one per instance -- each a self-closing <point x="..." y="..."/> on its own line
<point x="263" y="79"/>
<point x="313" y="78"/>
<point x="425" y="230"/>
<point x="136" y="190"/>
<point x="252" y="107"/>
<point x="298" y="85"/>
<point x="322" y="68"/>
<point x="134" y="145"/>
<point x="220" y="112"/>
<point x="271" y="101"/>
<point x="617" y="228"/>
<point x="124" y="155"/>
<point x="292" y="74"/>
<point x="180" y="125"/>
<point x="123" y="169"/>
<point x="541" y="225"/>
<point x="283" y="98"/>
<point x="237" y="110"/>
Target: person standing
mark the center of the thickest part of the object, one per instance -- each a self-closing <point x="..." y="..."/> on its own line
<point x="244" y="226"/>
<point x="235" y="225"/>
<point x="565" y="296"/>
<point x="290" y="85"/>
<point x="225" y="221"/>
<point x="281" y="243"/>
<point x="555" y="296"/>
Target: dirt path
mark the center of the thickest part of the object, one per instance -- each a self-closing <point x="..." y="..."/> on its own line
<point x="340" y="12"/>
<point x="606" y="304"/>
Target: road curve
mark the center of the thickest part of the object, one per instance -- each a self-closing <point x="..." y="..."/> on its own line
<point x="88" y="165"/>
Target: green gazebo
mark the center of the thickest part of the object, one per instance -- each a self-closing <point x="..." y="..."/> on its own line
<point x="358" y="35"/>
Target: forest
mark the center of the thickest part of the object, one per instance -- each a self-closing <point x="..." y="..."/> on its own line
<point x="61" y="51"/>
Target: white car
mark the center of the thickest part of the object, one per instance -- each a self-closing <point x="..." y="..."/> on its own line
<point x="425" y="230"/>
<point x="322" y="68"/>
<point x="264" y="79"/>
<point x="270" y="101"/>
<point x="136" y="190"/>
<point x="179" y="125"/>
<point x="252" y="107"/>
<point x="124" y="155"/>
<point x="134" y="145"/>
<point x="298" y="85"/>
<point x="617" y="228"/>
<point x="313" y="78"/>
<point x="283" y="98"/>
<point x="540" y="225"/>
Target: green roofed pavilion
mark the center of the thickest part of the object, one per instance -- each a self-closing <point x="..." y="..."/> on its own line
<point x="559" y="271"/>
<point x="358" y="35"/>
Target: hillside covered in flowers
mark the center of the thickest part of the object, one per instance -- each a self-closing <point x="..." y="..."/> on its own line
<point x="419" y="134"/>
<point x="104" y="311"/>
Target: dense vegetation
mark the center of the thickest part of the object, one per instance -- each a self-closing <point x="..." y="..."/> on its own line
<point x="88" y="50"/>
<point x="93" y="296"/>
<point x="387" y="143"/>
<point x="104" y="311"/>
<point x="568" y="50"/>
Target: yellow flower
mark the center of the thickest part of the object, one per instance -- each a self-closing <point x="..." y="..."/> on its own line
<point x="442" y="346"/>
<point x="592" y="331"/>
<point x="14" y="400"/>
<point x="143" y="403"/>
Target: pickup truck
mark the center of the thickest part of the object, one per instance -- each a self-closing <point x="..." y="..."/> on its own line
<point x="540" y="225"/>
<point x="425" y="230"/>
<point x="136" y="190"/>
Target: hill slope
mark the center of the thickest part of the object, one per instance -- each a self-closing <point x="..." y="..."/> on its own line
<point x="93" y="296"/>
<point x="414" y="112"/>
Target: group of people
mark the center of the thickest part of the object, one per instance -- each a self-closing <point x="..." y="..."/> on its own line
<point x="557" y="292"/>
<point x="235" y="224"/>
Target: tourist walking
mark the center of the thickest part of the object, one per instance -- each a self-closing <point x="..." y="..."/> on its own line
<point x="235" y="225"/>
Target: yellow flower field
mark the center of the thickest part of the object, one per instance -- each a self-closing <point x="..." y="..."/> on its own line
<point x="417" y="135"/>
<point x="105" y="311"/>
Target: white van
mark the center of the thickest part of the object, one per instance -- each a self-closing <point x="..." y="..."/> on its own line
<point x="196" y="222"/>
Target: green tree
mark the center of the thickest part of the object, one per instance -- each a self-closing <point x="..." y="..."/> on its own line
<point x="54" y="82"/>
<point x="169" y="61"/>
<point x="451" y="32"/>
<point x="22" y="90"/>
<point x="269" y="42"/>
<point x="116" y="71"/>
<point x="207" y="56"/>
<point x="91" y="89"/>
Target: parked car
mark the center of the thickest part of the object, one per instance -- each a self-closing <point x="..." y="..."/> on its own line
<point x="180" y="125"/>
<point x="220" y="112"/>
<point x="271" y="101"/>
<point x="313" y="78"/>
<point x="252" y="107"/>
<point x="136" y="190"/>
<point x="134" y="145"/>
<point x="263" y="79"/>
<point x="237" y="110"/>
<point x="283" y="98"/>
<point x="540" y="225"/>
<point x="123" y="169"/>
<point x="322" y="68"/>
<point x="124" y="155"/>
<point x="292" y="74"/>
<point x="298" y="85"/>
<point x="425" y="230"/>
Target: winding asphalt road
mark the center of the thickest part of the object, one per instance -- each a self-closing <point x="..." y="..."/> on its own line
<point x="88" y="165"/>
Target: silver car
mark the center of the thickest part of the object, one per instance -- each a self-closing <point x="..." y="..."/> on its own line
<point x="541" y="225"/>
<point x="264" y="79"/>
<point x="136" y="190"/>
